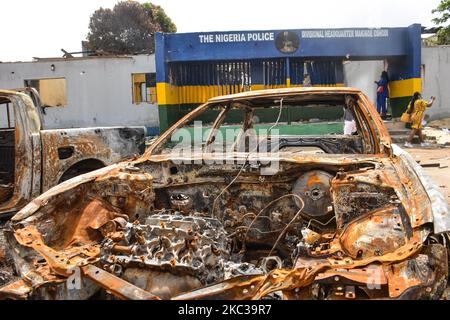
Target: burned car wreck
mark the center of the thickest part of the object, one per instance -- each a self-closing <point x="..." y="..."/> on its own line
<point x="315" y="215"/>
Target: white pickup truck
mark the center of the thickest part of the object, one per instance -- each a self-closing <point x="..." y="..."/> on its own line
<point x="32" y="159"/>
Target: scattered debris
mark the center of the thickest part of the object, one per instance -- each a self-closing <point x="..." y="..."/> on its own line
<point x="439" y="136"/>
<point x="430" y="165"/>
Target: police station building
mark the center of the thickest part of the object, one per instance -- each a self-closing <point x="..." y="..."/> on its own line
<point x="193" y="67"/>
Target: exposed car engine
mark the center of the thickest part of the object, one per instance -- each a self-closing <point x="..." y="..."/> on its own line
<point x="190" y="233"/>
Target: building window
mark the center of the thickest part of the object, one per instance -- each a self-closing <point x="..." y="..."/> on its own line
<point x="144" y="88"/>
<point x="6" y="115"/>
<point x="53" y="92"/>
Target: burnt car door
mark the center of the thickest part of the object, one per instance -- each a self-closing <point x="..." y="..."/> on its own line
<point x="20" y="145"/>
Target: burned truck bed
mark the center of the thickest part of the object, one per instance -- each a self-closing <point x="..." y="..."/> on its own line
<point x="32" y="159"/>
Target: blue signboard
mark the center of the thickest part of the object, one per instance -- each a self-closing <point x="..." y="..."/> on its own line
<point x="294" y="43"/>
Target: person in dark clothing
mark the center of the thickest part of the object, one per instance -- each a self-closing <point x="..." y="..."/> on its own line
<point x="382" y="94"/>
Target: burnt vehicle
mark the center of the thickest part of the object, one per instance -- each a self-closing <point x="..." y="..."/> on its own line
<point x="305" y="213"/>
<point x="33" y="159"/>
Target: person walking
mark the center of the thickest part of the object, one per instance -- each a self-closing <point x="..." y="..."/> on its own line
<point x="417" y="109"/>
<point x="382" y="94"/>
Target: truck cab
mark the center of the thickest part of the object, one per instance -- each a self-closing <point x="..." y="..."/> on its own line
<point x="34" y="159"/>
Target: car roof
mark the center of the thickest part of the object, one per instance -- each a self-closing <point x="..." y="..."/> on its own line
<point x="285" y="91"/>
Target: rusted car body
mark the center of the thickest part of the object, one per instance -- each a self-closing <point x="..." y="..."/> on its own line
<point x="358" y="220"/>
<point x="34" y="159"/>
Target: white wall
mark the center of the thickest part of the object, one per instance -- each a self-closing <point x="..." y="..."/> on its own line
<point x="362" y="74"/>
<point x="99" y="90"/>
<point x="436" y="79"/>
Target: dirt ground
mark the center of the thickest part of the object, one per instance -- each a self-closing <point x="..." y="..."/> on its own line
<point x="439" y="174"/>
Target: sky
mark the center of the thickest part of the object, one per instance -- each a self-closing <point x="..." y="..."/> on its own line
<point x="41" y="28"/>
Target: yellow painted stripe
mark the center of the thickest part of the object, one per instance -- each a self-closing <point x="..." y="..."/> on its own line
<point x="167" y="94"/>
<point x="258" y="87"/>
<point x="404" y="88"/>
<point x="329" y="85"/>
<point x="172" y="95"/>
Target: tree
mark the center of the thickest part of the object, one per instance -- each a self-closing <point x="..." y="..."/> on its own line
<point x="158" y="15"/>
<point x="128" y="28"/>
<point x="444" y="15"/>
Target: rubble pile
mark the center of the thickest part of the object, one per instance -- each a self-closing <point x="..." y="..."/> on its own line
<point x="438" y="131"/>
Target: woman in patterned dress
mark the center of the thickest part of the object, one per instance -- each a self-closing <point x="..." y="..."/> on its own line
<point x="417" y="109"/>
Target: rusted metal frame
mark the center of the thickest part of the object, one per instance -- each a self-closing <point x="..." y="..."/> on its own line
<point x="438" y="205"/>
<point x="18" y="290"/>
<point x="380" y="213"/>
<point x="34" y="95"/>
<point x="376" y="124"/>
<point x="356" y="275"/>
<point x="412" y="205"/>
<point x="32" y="207"/>
<point x="256" y="287"/>
<point x="23" y="150"/>
<point x="104" y="146"/>
<point x="279" y="93"/>
<point x="36" y="150"/>
<point x="62" y="263"/>
<point x="36" y="181"/>
<point x="382" y="130"/>
<point x="217" y="123"/>
<point x="346" y="160"/>
<point x="115" y="285"/>
<point x="155" y="147"/>
<point x="366" y="118"/>
<point x="248" y="123"/>
<point x="362" y="128"/>
<point x="8" y="116"/>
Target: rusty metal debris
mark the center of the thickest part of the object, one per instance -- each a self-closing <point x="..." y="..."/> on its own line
<point x="348" y="223"/>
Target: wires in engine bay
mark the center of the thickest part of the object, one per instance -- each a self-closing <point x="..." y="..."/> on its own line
<point x="297" y="215"/>
<point x="246" y="159"/>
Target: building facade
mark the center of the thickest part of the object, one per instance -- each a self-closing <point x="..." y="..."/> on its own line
<point x="193" y="67"/>
<point x="436" y="79"/>
<point x="128" y="90"/>
<point x="90" y="91"/>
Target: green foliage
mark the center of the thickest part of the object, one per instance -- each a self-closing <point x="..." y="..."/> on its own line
<point x="443" y="10"/>
<point x="128" y="28"/>
<point x="160" y="17"/>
